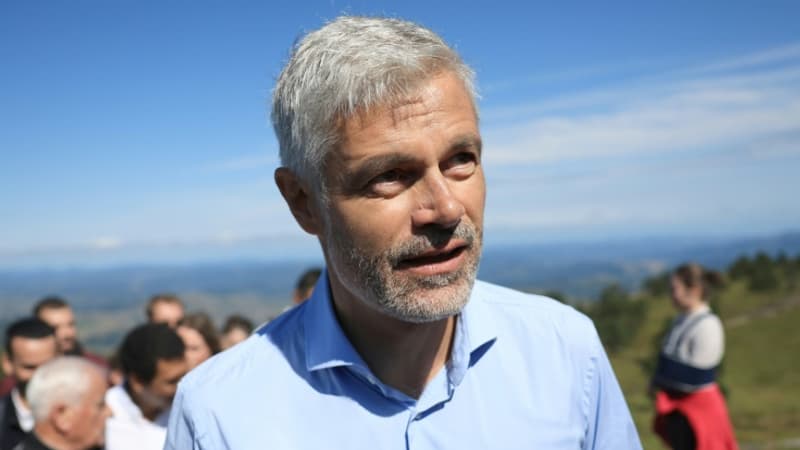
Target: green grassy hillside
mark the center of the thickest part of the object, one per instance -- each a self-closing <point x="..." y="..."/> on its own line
<point x="761" y="369"/>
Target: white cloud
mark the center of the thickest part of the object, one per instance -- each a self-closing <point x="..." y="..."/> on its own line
<point x="696" y="148"/>
<point x="106" y="243"/>
<point x="685" y="115"/>
<point x="780" y="54"/>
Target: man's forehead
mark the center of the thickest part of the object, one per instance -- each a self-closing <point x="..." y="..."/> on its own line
<point x="57" y="311"/>
<point x="25" y="341"/>
<point x="22" y="346"/>
<point x="169" y="367"/>
<point x="167" y="305"/>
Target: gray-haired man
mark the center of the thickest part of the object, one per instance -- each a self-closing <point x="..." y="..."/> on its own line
<point x="398" y="347"/>
<point x="67" y="396"/>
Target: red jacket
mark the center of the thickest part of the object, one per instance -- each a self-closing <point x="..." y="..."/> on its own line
<point x="707" y="414"/>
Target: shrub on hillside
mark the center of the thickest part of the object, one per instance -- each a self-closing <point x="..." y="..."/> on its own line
<point x="617" y="317"/>
<point x="763" y="276"/>
<point x="741" y="268"/>
<point x="658" y="285"/>
<point x="762" y="273"/>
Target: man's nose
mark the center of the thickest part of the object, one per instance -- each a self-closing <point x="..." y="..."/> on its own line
<point x="437" y="204"/>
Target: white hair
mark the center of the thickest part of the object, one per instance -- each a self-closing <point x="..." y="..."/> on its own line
<point x="64" y="379"/>
<point x="345" y="67"/>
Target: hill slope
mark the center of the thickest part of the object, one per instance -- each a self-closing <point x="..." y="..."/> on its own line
<point x="760" y="373"/>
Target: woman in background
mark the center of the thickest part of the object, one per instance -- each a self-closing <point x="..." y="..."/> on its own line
<point x="691" y="413"/>
<point x="200" y="338"/>
<point x="236" y="329"/>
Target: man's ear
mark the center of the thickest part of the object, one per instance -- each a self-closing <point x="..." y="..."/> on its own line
<point x="61" y="416"/>
<point x="7" y="369"/>
<point x="299" y="197"/>
<point x="134" y="383"/>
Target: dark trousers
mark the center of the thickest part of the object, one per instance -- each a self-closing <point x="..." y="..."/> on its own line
<point x="679" y="432"/>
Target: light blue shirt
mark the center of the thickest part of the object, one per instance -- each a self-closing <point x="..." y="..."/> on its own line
<point x="525" y="372"/>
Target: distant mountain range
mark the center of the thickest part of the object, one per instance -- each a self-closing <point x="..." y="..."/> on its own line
<point x="579" y="270"/>
<point x="582" y="270"/>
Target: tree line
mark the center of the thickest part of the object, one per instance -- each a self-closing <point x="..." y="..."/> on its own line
<point x="619" y="314"/>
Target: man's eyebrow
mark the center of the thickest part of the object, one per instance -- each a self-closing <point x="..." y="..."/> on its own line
<point x="374" y="165"/>
<point x="377" y="164"/>
<point x="468" y="141"/>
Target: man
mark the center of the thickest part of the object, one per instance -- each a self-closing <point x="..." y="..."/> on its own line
<point x="398" y="347"/>
<point x="67" y="399"/>
<point x="305" y="285"/>
<point x="165" y="308"/>
<point x="57" y="313"/>
<point x="152" y="361"/>
<point x="29" y="344"/>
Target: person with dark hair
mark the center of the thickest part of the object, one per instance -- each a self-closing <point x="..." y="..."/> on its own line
<point x="303" y="288"/>
<point x="399" y="346"/>
<point x="58" y="314"/>
<point x="67" y="399"/>
<point x="115" y="375"/>
<point x="691" y="413"/>
<point x="305" y="285"/>
<point x="200" y="338"/>
<point x="29" y="343"/>
<point x="164" y="308"/>
<point x="152" y="360"/>
<point x="236" y="329"/>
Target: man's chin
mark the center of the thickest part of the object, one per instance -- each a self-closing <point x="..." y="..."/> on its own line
<point x="429" y="302"/>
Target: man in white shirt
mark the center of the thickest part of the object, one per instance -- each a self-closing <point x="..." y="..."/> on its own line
<point x="152" y="360"/>
<point x="66" y="396"/>
<point x="29" y="343"/>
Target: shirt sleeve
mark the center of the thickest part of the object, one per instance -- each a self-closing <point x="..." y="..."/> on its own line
<point x="181" y="429"/>
<point x="707" y="343"/>
<point x="610" y="426"/>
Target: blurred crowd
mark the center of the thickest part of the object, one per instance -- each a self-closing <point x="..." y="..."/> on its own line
<point x="58" y="395"/>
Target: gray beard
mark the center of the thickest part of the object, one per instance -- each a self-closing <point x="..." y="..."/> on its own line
<point x="415" y="299"/>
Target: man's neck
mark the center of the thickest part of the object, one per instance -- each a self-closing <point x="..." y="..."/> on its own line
<point x="76" y="350"/>
<point x="695" y="306"/>
<point x="149" y="413"/>
<point x="48" y="436"/>
<point x="403" y="355"/>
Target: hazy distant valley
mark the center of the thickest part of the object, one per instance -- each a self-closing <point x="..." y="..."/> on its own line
<point x="109" y="301"/>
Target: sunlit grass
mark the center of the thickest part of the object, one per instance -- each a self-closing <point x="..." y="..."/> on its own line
<point x="761" y="371"/>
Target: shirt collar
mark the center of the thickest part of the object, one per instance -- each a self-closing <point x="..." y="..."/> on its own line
<point x="121" y="403"/>
<point x="24" y="414"/>
<point x="474" y="335"/>
<point x="327" y="346"/>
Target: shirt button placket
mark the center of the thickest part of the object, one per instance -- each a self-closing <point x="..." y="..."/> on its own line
<point x="413" y="417"/>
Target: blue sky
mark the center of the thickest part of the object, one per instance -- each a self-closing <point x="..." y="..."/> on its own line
<point x="138" y="130"/>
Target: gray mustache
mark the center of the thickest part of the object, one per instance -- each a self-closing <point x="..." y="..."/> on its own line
<point x="432" y="238"/>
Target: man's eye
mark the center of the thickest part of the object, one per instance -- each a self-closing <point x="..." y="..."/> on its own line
<point x="465" y="157"/>
<point x="389" y="183"/>
<point x="461" y="161"/>
<point x="392" y="176"/>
